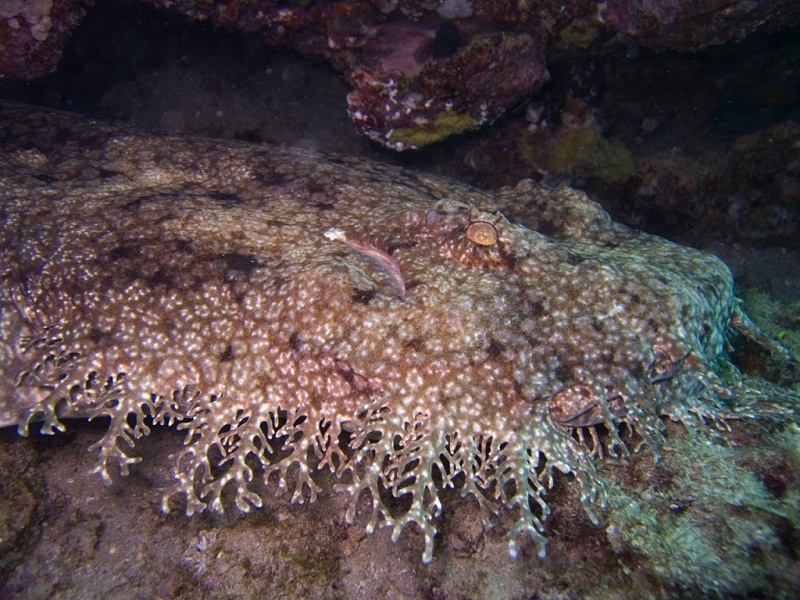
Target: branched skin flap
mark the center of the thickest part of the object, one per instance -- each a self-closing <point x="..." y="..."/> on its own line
<point x="291" y="312"/>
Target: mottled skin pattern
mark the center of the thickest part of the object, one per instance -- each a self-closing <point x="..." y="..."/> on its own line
<point x="291" y="312"/>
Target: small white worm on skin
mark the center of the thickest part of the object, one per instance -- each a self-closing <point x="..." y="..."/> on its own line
<point x="382" y="259"/>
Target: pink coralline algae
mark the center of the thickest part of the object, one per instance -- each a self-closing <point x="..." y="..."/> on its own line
<point x="449" y="95"/>
<point x="248" y="296"/>
<point x="32" y="33"/>
<point x="695" y="24"/>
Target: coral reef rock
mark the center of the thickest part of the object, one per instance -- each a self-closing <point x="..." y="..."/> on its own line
<point x="33" y="33"/>
<point x="422" y="71"/>
<point x="294" y="313"/>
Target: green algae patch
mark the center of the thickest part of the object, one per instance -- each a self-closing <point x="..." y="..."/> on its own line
<point x="777" y="317"/>
<point x="445" y="125"/>
<point x="575" y="36"/>
<point x="704" y="520"/>
<point x="586" y="153"/>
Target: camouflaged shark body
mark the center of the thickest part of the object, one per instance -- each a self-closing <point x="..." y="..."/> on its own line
<point x="292" y="312"/>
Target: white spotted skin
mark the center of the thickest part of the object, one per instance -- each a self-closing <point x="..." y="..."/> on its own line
<point x="209" y="284"/>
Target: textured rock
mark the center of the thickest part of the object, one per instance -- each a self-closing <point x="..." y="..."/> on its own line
<point x="293" y="313"/>
<point x="32" y="35"/>
<point x="447" y="96"/>
<point x="689" y="25"/>
<point x="424" y="71"/>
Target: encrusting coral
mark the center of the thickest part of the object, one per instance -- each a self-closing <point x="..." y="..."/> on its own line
<point x="292" y="312"/>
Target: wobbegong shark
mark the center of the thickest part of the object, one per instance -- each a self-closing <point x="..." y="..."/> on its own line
<point x="292" y="312"/>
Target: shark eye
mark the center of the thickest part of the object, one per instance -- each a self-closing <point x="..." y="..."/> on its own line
<point x="482" y="233"/>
